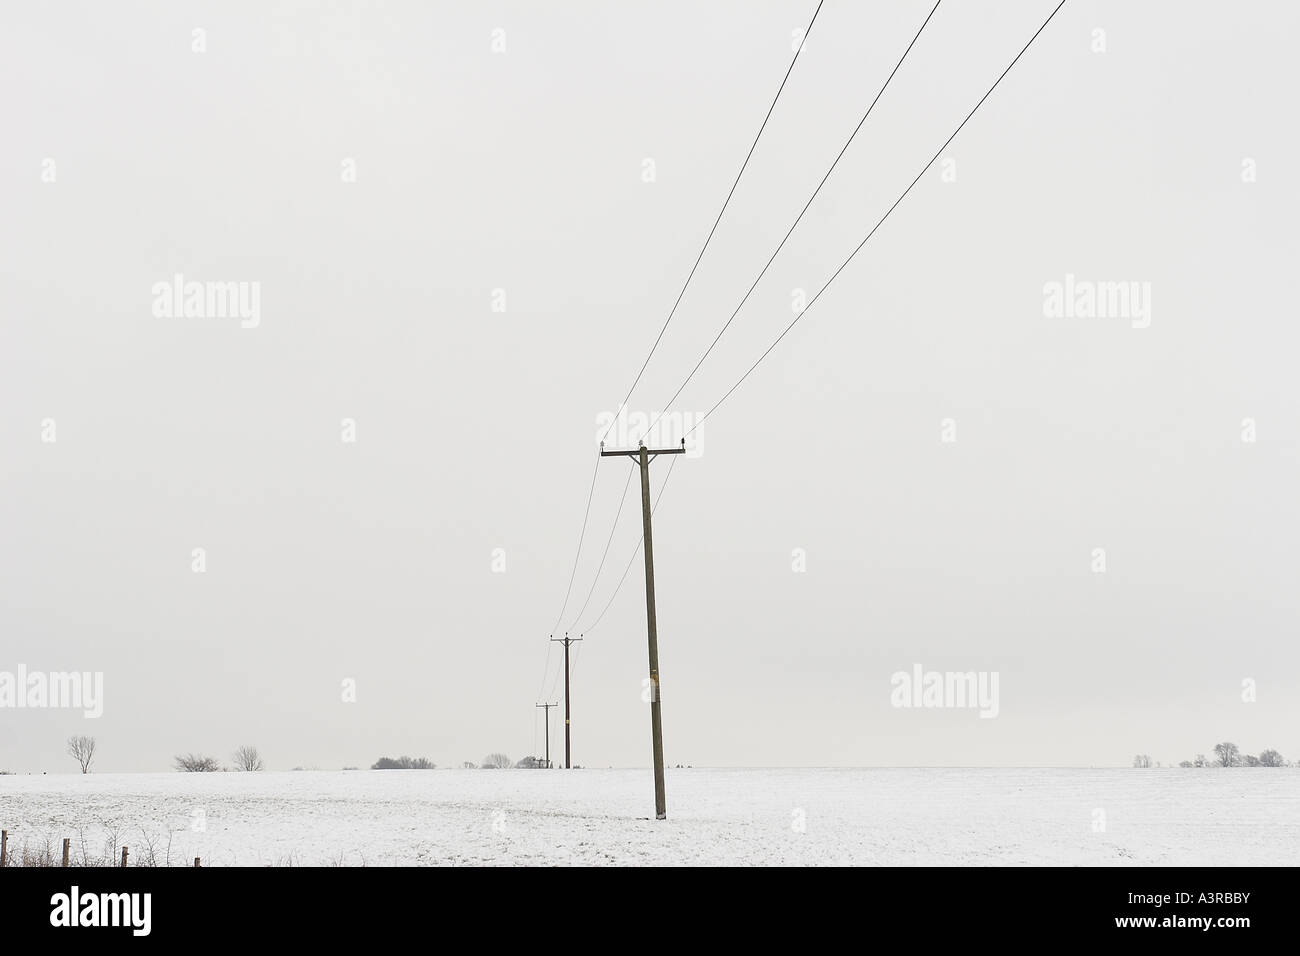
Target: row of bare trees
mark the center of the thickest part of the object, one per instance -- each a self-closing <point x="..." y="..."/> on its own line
<point x="493" y="761"/>
<point x="499" y="761"/>
<point x="82" y="749"/>
<point x="1226" y="754"/>
<point x="403" y="763"/>
<point x="246" y="758"/>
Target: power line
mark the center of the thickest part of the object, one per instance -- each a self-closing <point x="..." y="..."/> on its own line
<point x="637" y="550"/>
<point x="709" y="238"/>
<point x="789" y="232"/>
<point x="878" y="224"/>
<point x="558" y="673"/>
<point x="586" y="513"/>
<point x="608" y="541"/>
<point x="716" y="221"/>
<point x="577" y="659"/>
<point x="664" y="328"/>
<point x="546" y="669"/>
<point x="572" y="574"/>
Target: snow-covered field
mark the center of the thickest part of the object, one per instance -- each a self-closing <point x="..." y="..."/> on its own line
<point x="794" y="816"/>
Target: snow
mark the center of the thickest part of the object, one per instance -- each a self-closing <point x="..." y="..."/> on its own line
<point x="715" y="816"/>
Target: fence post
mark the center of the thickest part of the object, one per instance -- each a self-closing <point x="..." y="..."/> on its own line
<point x="197" y="865"/>
<point x="124" y="856"/>
<point x="67" y="849"/>
<point x="4" y="847"/>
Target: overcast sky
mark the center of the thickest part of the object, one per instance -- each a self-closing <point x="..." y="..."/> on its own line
<point x="468" y="222"/>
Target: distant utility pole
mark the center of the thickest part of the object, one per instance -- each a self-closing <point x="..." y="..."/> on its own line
<point x="644" y="457"/>
<point x="548" y="731"/>
<point x="566" y="641"/>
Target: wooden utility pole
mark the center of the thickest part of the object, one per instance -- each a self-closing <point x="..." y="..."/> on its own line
<point x="566" y="641"/>
<point x="644" y="456"/>
<point x="548" y="731"/>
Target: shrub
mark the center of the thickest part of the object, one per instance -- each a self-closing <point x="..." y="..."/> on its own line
<point x="403" y="763"/>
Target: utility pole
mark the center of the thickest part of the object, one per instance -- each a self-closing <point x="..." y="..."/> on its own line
<point x="644" y="456"/>
<point x="548" y="731"/>
<point x="566" y="641"/>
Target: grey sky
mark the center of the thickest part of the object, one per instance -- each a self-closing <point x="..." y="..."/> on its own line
<point x="522" y="170"/>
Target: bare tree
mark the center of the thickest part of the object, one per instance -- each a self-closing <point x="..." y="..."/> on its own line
<point x="82" y="749"/>
<point x="1142" y="760"/>
<point x="496" y="762"/>
<point x="1271" y="758"/>
<point x="195" y="763"/>
<point x="1229" y="754"/>
<point x="247" y="758"/>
